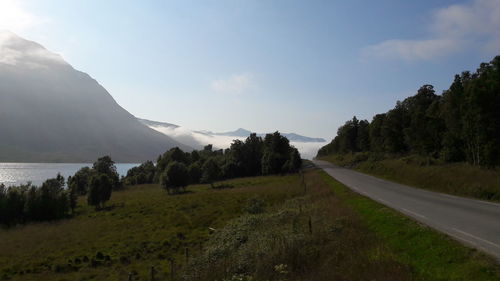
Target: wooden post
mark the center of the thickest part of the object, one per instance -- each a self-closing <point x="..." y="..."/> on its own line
<point x="152" y="273"/>
<point x="187" y="255"/>
<point x="130" y="276"/>
<point x="310" y="226"/>
<point x="172" y="270"/>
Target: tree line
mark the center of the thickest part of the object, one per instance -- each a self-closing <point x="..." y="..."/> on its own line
<point x="53" y="200"/>
<point x="175" y="169"/>
<point x="461" y="125"/>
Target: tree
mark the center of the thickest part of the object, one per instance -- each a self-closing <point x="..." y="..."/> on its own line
<point x="100" y="189"/>
<point x="80" y="180"/>
<point x="211" y="172"/>
<point x="175" y="177"/>
<point x="276" y="153"/>
<point x="105" y="165"/>
<point x="252" y="155"/>
<point x="195" y="172"/>
<point x="142" y="174"/>
<point x="377" y="141"/>
<point x="73" y="198"/>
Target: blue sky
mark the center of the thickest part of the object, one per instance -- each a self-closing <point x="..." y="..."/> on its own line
<point x="293" y="66"/>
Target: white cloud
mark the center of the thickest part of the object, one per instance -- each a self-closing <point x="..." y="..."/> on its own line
<point x="452" y="29"/>
<point x="235" y="84"/>
<point x="15" y="17"/>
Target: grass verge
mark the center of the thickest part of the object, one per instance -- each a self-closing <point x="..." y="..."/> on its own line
<point x="314" y="236"/>
<point x="453" y="178"/>
<point x="429" y="254"/>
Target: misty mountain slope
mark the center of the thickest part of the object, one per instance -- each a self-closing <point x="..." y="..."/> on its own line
<point x="52" y="112"/>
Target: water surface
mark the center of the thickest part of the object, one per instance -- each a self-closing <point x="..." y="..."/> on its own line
<point x="37" y="173"/>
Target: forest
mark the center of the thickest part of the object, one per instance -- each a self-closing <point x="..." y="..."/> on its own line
<point x="460" y="125"/>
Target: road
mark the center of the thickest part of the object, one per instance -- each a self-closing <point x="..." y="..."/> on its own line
<point x="473" y="222"/>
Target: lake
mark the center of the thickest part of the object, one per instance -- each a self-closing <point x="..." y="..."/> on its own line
<point x="37" y="173"/>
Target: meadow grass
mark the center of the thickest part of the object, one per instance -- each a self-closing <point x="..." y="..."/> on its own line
<point x="263" y="228"/>
<point x="142" y="227"/>
<point x="428" y="253"/>
<point x="453" y="178"/>
<point x="313" y="236"/>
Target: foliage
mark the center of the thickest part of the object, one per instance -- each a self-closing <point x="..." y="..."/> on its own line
<point x="175" y="177"/>
<point x="80" y="180"/>
<point x="105" y="165"/>
<point x="462" y="124"/>
<point x="252" y="157"/>
<point x="100" y="189"/>
<point x="211" y="172"/>
<point x="142" y="174"/>
<point x="24" y="203"/>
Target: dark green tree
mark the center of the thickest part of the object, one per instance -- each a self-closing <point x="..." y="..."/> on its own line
<point x="100" y="189"/>
<point x="211" y="172"/>
<point x="175" y="177"/>
<point x="80" y="180"/>
<point x="105" y="165"/>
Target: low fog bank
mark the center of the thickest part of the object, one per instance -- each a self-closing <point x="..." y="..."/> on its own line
<point x="198" y="140"/>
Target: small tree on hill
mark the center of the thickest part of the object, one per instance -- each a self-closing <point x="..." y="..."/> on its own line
<point x="105" y="165"/>
<point x="175" y="177"/>
<point x="80" y="180"/>
<point x="100" y="189"/>
<point x="211" y="172"/>
<point x="195" y="172"/>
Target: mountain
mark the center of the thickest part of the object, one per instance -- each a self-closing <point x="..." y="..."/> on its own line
<point x="238" y="133"/>
<point x="290" y="136"/>
<point x="50" y="112"/>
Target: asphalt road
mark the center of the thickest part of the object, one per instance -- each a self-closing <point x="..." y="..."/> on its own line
<point x="473" y="222"/>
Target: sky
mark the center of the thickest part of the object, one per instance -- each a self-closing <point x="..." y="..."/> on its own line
<point x="263" y="65"/>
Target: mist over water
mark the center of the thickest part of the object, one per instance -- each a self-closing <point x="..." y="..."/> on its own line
<point x="37" y="173"/>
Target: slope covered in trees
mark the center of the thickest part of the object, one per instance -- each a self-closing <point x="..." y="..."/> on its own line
<point x="462" y="124"/>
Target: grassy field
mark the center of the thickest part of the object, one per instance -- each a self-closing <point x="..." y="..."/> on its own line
<point x="266" y="228"/>
<point x="456" y="178"/>
<point x="142" y="227"/>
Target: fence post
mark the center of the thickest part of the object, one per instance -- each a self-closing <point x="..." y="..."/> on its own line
<point x="130" y="276"/>
<point x="187" y="255"/>
<point x="152" y="273"/>
<point x="172" y="269"/>
<point x="310" y="225"/>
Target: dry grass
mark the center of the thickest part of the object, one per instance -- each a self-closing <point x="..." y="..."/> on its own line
<point x="278" y="244"/>
<point x="456" y="178"/>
